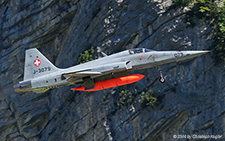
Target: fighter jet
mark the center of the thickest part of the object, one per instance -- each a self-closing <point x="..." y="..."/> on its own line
<point x="110" y="71"/>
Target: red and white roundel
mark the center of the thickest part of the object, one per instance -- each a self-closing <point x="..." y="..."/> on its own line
<point x="37" y="62"/>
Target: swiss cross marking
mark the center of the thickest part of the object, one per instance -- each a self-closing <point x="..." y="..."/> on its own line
<point x="37" y="62"/>
<point x="140" y="57"/>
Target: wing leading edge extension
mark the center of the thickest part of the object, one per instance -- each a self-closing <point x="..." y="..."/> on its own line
<point x="81" y="74"/>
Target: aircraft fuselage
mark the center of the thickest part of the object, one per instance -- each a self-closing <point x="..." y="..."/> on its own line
<point x="103" y="68"/>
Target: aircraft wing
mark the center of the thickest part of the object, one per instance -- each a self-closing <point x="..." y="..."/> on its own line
<point x="82" y="73"/>
<point x="103" y="68"/>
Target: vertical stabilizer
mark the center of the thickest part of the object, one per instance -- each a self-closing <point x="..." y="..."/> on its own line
<point x="36" y="64"/>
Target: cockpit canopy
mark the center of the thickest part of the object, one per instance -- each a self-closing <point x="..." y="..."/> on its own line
<point x="139" y="50"/>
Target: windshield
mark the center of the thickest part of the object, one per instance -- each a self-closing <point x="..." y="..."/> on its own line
<point x="139" y="50"/>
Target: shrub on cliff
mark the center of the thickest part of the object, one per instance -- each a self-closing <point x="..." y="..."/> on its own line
<point x="213" y="12"/>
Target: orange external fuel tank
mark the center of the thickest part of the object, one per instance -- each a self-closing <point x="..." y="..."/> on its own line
<point x="114" y="82"/>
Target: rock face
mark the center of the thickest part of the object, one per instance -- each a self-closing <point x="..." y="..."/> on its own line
<point x="192" y="99"/>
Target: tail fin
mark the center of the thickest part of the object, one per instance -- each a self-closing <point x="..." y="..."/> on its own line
<point x="36" y="64"/>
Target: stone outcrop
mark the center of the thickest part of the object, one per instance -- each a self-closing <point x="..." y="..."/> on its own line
<point x="192" y="99"/>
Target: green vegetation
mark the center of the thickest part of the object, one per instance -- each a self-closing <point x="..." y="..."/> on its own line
<point x="180" y="3"/>
<point x="87" y="55"/>
<point x="148" y="98"/>
<point x="211" y="12"/>
<point x="126" y="97"/>
<point x="145" y="98"/>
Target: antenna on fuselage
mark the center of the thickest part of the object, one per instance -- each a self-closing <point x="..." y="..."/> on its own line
<point x="100" y="51"/>
<point x="104" y="54"/>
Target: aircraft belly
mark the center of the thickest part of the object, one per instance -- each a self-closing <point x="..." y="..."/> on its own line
<point x="144" y="66"/>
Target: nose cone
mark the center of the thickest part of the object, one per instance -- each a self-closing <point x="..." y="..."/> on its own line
<point x="189" y="54"/>
<point x="197" y="53"/>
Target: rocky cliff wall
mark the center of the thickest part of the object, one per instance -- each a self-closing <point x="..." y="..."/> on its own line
<point x="191" y="100"/>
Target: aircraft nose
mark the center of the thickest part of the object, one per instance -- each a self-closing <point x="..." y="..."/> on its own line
<point x="198" y="52"/>
<point x="191" y="54"/>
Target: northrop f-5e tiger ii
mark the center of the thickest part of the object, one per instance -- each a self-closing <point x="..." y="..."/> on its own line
<point x="103" y="73"/>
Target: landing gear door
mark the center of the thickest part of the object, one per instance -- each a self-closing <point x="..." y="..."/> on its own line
<point x="88" y="83"/>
